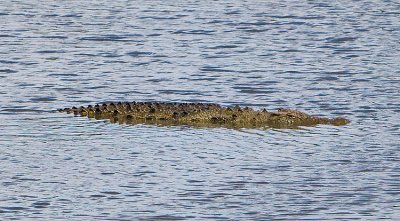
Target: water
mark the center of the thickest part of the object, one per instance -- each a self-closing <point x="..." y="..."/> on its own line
<point x="326" y="58"/>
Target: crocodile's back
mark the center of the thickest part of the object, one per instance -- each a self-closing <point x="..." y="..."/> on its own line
<point x="199" y="114"/>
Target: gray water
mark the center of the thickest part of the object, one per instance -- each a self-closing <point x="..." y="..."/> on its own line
<point x="330" y="59"/>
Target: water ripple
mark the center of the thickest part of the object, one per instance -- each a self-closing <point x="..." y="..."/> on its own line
<point x="329" y="59"/>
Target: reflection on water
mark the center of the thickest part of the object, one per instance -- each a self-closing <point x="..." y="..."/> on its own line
<point x="327" y="59"/>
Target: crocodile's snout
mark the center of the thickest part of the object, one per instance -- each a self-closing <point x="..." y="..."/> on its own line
<point x="339" y="121"/>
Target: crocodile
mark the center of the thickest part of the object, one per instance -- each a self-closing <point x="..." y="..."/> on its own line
<point x="199" y="115"/>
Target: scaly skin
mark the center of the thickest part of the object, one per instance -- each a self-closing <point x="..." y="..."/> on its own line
<point x="200" y="115"/>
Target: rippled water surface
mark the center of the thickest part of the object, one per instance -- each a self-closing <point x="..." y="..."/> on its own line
<point x="337" y="58"/>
